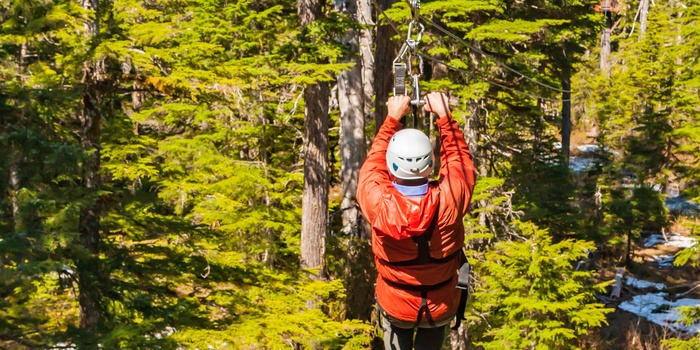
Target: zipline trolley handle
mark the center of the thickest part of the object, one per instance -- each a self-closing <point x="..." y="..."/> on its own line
<point x="404" y="61"/>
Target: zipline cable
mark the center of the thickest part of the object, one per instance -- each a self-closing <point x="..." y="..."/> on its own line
<point x="468" y="73"/>
<point x="396" y="29"/>
<point x="478" y="50"/>
<point x="471" y="75"/>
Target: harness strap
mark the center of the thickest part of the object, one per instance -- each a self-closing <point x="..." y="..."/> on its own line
<point x="418" y="288"/>
<point x="399" y="79"/>
<point x="463" y="284"/>
<point x="423" y="243"/>
<point x="416" y="261"/>
<point x="424" y="308"/>
<point x="423" y="289"/>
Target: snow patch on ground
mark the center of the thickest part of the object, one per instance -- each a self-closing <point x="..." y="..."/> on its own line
<point x="587" y="160"/>
<point x="579" y="165"/>
<point x="66" y="346"/>
<point x="674" y="240"/>
<point x="168" y="331"/>
<point x="680" y="204"/>
<point x="588" y="148"/>
<point x="591" y="148"/>
<point x="663" y="260"/>
<point x="658" y="310"/>
<point x="640" y="284"/>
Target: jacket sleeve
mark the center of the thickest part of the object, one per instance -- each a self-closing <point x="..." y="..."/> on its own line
<point x="374" y="174"/>
<point x="457" y="172"/>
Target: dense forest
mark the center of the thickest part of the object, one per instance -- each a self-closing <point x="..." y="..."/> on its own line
<point x="181" y="174"/>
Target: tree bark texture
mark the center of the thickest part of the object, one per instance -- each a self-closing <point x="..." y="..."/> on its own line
<point x="566" y="115"/>
<point x="471" y="130"/>
<point x="315" y="196"/>
<point x="352" y="102"/>
<point x="88" y="262"/>
<point x="366" y="42"/>
<point x="15" y="154"/>
<point x="14" y="187"/>
<point x="605" y="46"/>
<point x="352" y="131"/>
<point x="459" y="339"/>
<point x="643" y="16"/>
<point x="309" y="11"/>
<point x="383" y="61"/>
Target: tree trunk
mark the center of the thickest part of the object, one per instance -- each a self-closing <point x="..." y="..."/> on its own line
<point x="15" y="155"/>
<point x="15" y="186"/>
<point x="643" y="15"/>
<point x="566" y="115"/>
<point x="459" y="339"/>
<point x="628" y="250"/>
<point x="366" y="42"/>
<point x="383" y="60"/>
<point x="88" y="261"/>
<point x="314" y="217"/>
<point x="351" y="102"/>
<point x="605" y="45"/>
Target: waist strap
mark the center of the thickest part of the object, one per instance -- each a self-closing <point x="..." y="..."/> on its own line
<point x="421" y="260"/>
<point x="423" y="289"/>
<point x="418" y="288"/>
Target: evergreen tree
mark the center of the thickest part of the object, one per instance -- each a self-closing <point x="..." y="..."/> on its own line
<point x="198" y="198"/>
<point x="531" y="296"/>
<point x="519" y="53"/>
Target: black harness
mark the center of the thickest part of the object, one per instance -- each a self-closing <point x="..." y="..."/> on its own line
<point x="423" y="243"/>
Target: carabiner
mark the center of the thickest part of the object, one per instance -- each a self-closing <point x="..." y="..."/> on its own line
<point x="415" y="91"/>
<point x="409" y="40"/>
<point x="410" y="65"/>
<point x="402" y="53"/>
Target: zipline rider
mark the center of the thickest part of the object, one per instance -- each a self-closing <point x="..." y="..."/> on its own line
<point x="417" y="228"/>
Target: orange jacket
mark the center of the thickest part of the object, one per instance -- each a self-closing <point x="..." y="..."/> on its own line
<point x="395" y="218"/>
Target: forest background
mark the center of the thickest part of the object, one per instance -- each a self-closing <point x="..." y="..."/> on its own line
<point x="181" y="174"/>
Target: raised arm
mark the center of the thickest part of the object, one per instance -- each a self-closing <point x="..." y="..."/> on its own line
<point x="374" y="173"/>
<point x="457" y="172"/>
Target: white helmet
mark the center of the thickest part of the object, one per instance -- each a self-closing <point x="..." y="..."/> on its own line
<point x="410" y="155"/>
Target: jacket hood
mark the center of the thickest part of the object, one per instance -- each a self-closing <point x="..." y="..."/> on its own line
<point x="403" y="217"/>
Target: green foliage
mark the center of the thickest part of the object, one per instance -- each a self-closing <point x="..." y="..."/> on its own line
<point x="690" y="316"/>
<point x="517" y="55"/>
<point x="201" y="119"/>
<point x="686" y="255"/>
<point x="279" y="317"/>
<point x="530" y="295"/>
<point x="201" y="185"/>
<point x="679" y="344"/>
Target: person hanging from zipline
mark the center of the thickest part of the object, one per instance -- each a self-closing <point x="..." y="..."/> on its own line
<point x="417" y="228"/>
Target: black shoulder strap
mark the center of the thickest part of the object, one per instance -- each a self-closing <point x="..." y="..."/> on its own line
<point x="423" y="244"/>
<point x="423" y="241"/>
<point x="463" y="284"/>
